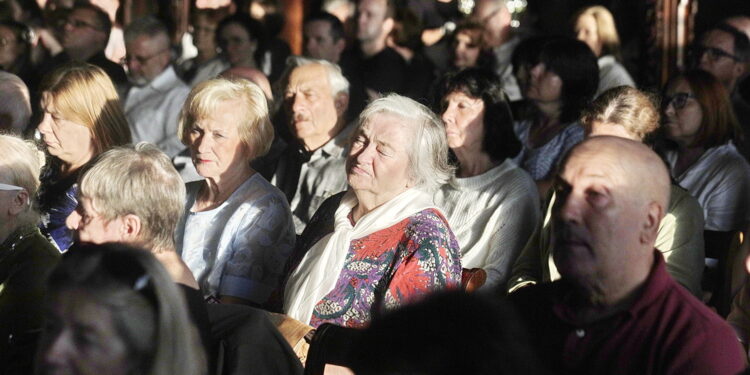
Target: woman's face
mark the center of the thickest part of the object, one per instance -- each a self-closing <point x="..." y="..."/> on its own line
<point x="237" y="45"/>
<point x="204" y="33"/>
<point x="10" y="48"/>
<point x="378" y="161"/>
<point x="215" y="143"/>
<point x="69" y="141"/>
<point x="545" y="85"/>
<point x="465" y="50"/>
<point x="682" y="113"/>
<point x="587" y="31"/>
<point x="464" y="121"/>
<point x="80" y="338"/>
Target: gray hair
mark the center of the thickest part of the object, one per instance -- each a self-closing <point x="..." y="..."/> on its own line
<point x="138" y="180"/>
<point x="148" y="25"/>
<point x="339" y="83"/>
<point x="21" y="165"/>
<point x="428" y="156"/>
<point x="15" y="105"/>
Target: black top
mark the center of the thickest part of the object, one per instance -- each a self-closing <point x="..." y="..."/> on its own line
<point x="115" y="72"/>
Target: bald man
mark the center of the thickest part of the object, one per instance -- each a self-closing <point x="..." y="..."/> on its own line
<point x="615" y="309"/>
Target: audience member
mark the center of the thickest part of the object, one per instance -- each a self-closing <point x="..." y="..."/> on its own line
<point x="628" y="113"/>
<point x="207" y="64"/>
<point x="492" y="205"/>
<point x="702" y="158"/>
<point x="237" y="232"/>
<point x="383" y="243"/>
<point x="26" y="257"/>
<point x="15" y="105"/>
<point x="253" y="75"/>
<point x="82" y="118"/>
<point x="498" y="35"/>
<point x="242" y="41"/>
<point x="406" y="40"/>
<point x="615" y="308"/>
<point x="315" y="98"/>
<point x="562" y="84"/>
<point x="324" y="37"/>
<point x="468" y="48"/>
<point x="15" y="54"/>
<point x="153" y="103"/>
<point x="114" y="310"/>
<point x="596" y="27"/>
<point x="85" y="37"/>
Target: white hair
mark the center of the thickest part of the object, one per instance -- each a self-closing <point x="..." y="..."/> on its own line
<point x="339" y="83"/>
<point x="428" y="156"/>
<point x="15" y="106"/>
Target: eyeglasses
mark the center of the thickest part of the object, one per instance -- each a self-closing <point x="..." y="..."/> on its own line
<point x="6" y="187"/>
<point x="78" y="24"/>
<point x="142" y="60"/>
<point x="712" y="53"/>
<point x="678" y="100"/>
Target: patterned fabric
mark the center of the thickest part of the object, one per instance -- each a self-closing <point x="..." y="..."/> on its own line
<point x="541" y="162"/>
<point x="428" y="259"/>
<point x="57" y="200"/>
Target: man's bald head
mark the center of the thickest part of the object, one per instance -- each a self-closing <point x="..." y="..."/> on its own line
<point x="611" y="195"/>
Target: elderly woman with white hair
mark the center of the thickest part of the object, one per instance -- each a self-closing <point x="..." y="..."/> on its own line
<point x="383" y="243"/>
<point x="25" y="255"/>
<point x="237" y="231"/>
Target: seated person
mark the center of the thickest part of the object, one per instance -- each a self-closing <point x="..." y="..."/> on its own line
<point x="383" y="243"/>
<point x="628" y="113"/>
<point x="492" y="205"/>
<point x="26" y="257"/>
<point x="615" y="309"/>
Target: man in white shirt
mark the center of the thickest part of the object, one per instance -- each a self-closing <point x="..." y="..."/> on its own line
<point x="312" y="169"/>
<point x="154" y="101"/>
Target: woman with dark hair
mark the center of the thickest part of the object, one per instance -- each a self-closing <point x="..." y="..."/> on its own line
<point x="491" y="204"/>
<point x="561" y="84"/>
<point x="700" y="128"/>
<point x="468" y="49"/>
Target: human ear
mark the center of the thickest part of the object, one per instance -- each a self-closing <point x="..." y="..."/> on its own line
<point x="130" y="228"/>
<point x="19" y="203"/>
<point x="388" y="25"/>
<point x="341" y="102"/>
<point x="654" y="214"/>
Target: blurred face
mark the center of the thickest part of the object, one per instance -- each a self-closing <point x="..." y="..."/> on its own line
<point x="587" y="31"/>
<point x="682" y="113"/>
<point x="90" y="226"/>
<point x="494" y="19"/>
<point x="147" y="57"/>
<point x="81" y="339"/>
<point x="312" y="108"/>
<point x="319" y="43"/>
<point x="545" y="85"/>
<point x="378" y="161"/>
<point x="465" y="51"/>
<point x="717" y="57"/>
<point x="204" y="33"/>
<point x="82" y="32"/>
<point x="464" y="121"/>
<point x="237" y="45"/>
<point x="596" y="217"/>
<point x="10" y="48"/>
<point x="370" y="19"/>
<point x="69" y="141"/>
<point x="215" y="144"/>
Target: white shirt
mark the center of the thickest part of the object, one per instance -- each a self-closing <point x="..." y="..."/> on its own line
<point x="492" y="215"/>
<point x="504" y="68"/>
<point x="153" y="111"/>
<point x="720" y="181"/>
<point x="241" y="247"/>
<point x="612" y="74"/>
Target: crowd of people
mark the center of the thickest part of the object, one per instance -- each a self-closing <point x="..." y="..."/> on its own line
<point x="425" y="189"/>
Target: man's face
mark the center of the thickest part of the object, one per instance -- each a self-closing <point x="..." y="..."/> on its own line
<point x="311" y="105"/>
<point x="596" y="218"/>
<point x="717" y="57"/>
<point x="147" y="57"/>
<point x="493" y="18"/>
<point x="83" y="32"/>
<point x="370" y="19"/>
<point x="319" y="43"/>
<point x="90" y="226"/>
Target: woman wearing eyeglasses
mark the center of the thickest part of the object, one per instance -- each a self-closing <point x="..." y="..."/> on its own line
<point x="25" y="255"/>
<point x="700" y="128"/>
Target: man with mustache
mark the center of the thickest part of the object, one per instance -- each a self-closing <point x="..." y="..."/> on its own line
<point x="311" y="169"/>
<point x="615" y="309"/>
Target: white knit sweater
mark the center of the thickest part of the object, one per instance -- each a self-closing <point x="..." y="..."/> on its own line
<point x="492" y="215"/>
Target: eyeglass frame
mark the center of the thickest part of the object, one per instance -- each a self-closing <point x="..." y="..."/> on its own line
<point x="715" y="53"/>
<point x="78" y="24"/>
<point x="678" y="100"/>
<point x="9" y="187"/>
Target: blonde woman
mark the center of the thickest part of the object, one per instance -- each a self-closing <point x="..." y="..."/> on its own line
<point x="595" y="26"/>
<point x="82" y="118"/>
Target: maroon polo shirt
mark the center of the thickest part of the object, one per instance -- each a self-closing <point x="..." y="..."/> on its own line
<point x="665" y="331"/>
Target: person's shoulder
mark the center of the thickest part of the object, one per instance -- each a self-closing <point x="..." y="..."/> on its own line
<point x="681" y="203"/>
<point x="429" y="222"/>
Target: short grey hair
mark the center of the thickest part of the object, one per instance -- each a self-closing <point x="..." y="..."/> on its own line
<point x="21" y="165"/>
<point x="15" y="105"/>
<point x="339" y="83"/>
<point x="428" y="156"/>
<point x="148" y="25"/>
<point x="137" y="180"/>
